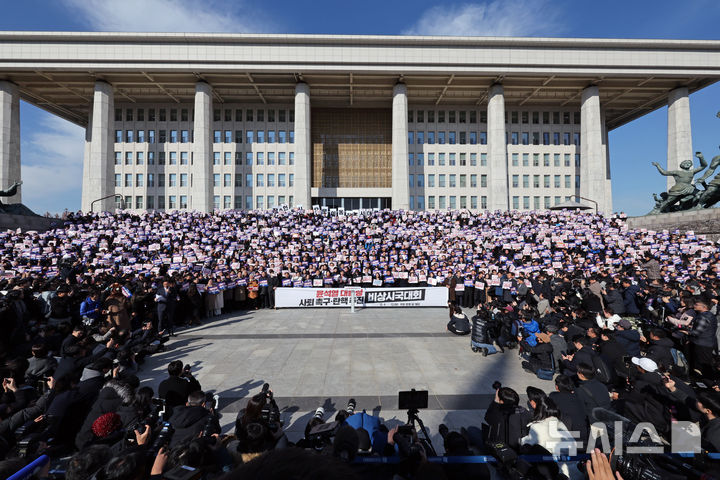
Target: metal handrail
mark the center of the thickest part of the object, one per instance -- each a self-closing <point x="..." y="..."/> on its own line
<point x="585" y="198"/>
<point x="103" y="198"/>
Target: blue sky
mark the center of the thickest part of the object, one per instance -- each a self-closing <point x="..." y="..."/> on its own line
<point x="52" y="148"/>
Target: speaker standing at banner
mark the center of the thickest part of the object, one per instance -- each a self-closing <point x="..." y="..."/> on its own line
<point x="273" y="283"/>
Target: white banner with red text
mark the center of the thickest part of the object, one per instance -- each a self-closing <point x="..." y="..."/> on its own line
<point x="364" y="297"/>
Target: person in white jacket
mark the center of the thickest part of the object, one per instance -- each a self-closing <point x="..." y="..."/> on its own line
<point x="548" y="431"/>
<point x="607" y="319"/>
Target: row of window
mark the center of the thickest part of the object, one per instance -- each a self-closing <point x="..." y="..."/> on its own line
<point x="224" y="158"/>
<point x="219" y="136"/>
<point x="546" y="201"/>
<point x="525" y="139"/>
<point x="188" y="115"/>
<point x="225" y="180"/>
<point x="557" y="183"/>
<point x="181" y="201"/>
<point x="515" y="116"/>
<point x="566" y="160"/>
<point x="444" y="202"/>
<point x="419" y="180"/>
<point x="451" y="159"/>
<point x="461" y="138"/>
<point x="512" y="138"/>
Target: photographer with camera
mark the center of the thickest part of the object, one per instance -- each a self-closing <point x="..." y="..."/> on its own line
<point x="179" y="384"/>
<point x="40" y="364"/>
<point x="459" y="323"/>
<point x="113" y="395"/>
<point x="258" y="427"/>
<point x="195" y="417"/>
<point x="505" y="420"/>
<point x="17" y="394"/>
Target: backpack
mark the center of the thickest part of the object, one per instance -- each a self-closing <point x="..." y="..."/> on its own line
<point x="547" y="373"/>
<point x="681" y="364"/>
<point x="602" y="372"/>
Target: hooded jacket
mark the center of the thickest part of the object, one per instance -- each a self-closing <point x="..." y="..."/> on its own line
<point x="188" y="422"/>
<point x="112" y="396"/>
<point x="659" y="351"/>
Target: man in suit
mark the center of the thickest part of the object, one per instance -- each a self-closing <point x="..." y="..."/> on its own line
<point x="273" y="283"/>
<point x="179" y="384"/>
<point x="166" y="299"/>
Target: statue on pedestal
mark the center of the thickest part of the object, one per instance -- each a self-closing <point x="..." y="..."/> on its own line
<point x="683" y="193"/>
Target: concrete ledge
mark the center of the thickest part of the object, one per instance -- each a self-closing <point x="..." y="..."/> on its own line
<point x="28" y="222"/>
<point x="701" y="222"/>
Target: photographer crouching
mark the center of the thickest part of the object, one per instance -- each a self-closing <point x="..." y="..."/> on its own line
<point x="258" y="427"/>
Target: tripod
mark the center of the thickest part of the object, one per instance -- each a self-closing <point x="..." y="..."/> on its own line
<point x="412" y="418"/>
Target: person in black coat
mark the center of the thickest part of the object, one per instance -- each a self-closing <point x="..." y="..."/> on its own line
<point x="459" y="324"/>
<point x="189" y="420"/>
<point x="540" y="355"/>
<point x="571" y="407"/>
<point x="630" y="298"/>
<point x="77" y="334"/>
<point x="179" y="384"/>
<point x="614" y="300"/>
<point x="505" y="420"/>
<point x="77" y="359"/>
<point x="709" y="405"/>
<point x="592" y="393"/>
<point x="111" y="397"/>
<point x="659" y="349"/>
<point x="613" y="353"/>
<point x="628" y="338"/>
<point x="40" y="364"/>
<point x="166" y="298"/>
<point x="273" y="283"/>
<point x="16" y="394"/>
<point x="583" y="354"/>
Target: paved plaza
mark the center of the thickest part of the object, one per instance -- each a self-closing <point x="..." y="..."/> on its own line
<point x="323" y="357"/>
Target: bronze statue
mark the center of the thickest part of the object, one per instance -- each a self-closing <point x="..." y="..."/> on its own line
<point x="683" y="192"/>
<point x="13" y="208"/>
<point x="708" y="197"/>
<point x="10" y="191"/>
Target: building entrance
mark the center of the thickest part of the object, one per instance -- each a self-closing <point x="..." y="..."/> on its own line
<point x="353" y="203"/>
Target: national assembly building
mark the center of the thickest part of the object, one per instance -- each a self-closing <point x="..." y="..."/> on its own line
<point x="215" y="121"/>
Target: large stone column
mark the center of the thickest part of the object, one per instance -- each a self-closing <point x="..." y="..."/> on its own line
<point x="497" y="150"/>
<point x="608" y="208"/>
<point x="592" y="157"/>
<point x="303" y="147"/>
<point x="9" y="138"/>
<point x="86" y="164"/>
<point x="400" y="169"/>
<point x="679" y="132"/>
<point x="99" y="169"/>
<point x="201" y="191"/>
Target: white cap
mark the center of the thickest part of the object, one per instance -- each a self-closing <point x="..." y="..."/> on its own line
<point x="645" y="363"/>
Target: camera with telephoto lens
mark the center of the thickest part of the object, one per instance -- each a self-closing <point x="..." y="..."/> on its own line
<point x="319" y="413"/>
<point x="269" y="413"/>
<point x="163" y="438"/>
<point x="157" y="412"/>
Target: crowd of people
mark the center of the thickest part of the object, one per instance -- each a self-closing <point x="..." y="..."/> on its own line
<point x="621" y="323"/>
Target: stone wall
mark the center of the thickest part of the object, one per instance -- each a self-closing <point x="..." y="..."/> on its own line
<point x="28" y="222"/>
<point x="702" y="222"/>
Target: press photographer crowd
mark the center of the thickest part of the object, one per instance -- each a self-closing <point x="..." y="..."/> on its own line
<point x="621" y="325"/>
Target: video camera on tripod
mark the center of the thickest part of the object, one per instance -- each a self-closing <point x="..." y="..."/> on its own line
<point x="412" y="401"/>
